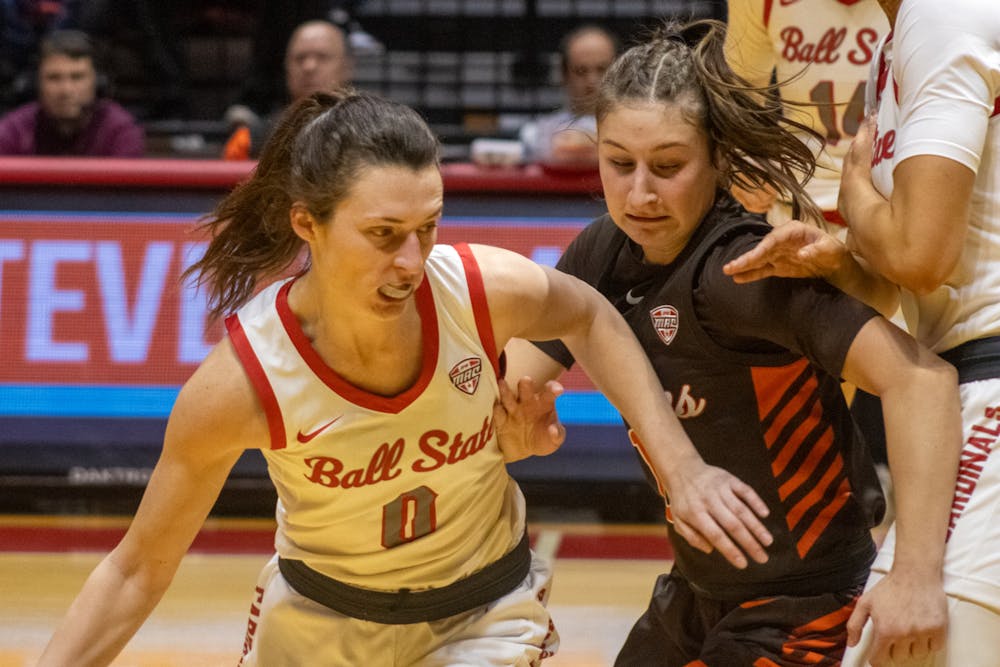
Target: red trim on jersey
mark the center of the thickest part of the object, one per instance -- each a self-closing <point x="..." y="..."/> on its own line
<point x="884" y="74"/>
<point x="390" y="404"/>
<point x="258" y="378"/>
<point x="768" y="6"/>
<point x="996" y="108"/>
<point x="480" y="308"/>
<point x="835" y="218"/>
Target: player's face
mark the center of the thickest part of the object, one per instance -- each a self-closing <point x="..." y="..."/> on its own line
<point x="66" y="86"/>
<point x="316" y="61"/>
<point x="658" y="176"/>
<point x="372" y="250"/>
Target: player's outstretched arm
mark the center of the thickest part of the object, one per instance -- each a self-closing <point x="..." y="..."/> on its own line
<point x="214" y="411"/>
<point x="800" y="250"/>
<point x="923" y="426"/>
<point x="711" y="508"/>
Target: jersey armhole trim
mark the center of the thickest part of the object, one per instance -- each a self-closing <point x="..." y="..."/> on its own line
<point x="258" y="379"/>
<point x="480" y="308"/>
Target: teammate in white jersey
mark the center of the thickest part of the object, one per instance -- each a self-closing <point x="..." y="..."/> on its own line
<point x="819" y="54"/>
<point x="369" y="380"/>
<point x="921" y="193"/>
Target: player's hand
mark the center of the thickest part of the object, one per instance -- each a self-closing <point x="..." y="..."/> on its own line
<point x="527" y="422"/>
<point x="712" y="509"/>
<point x="793" y="250"/>
<point x="856" y="172"/>
<point x="909" y="616"/>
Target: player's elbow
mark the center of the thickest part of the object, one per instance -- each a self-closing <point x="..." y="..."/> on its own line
<point x="921" y="281"/>
<point x="921" y="272"/>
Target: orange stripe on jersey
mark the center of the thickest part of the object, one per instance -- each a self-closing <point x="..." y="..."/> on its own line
<point x="791" y="415"/>
<point x="808" y="467"/>
<point x="637" y="443"/>
<point x="826" y="623"/>
<point x="824" y="518"/>
<point x="750" y="604"/>
<point x="779" y="394"/>
<point x="696" y="663"/>
<point x="764" y="662"/>
<point x="819" y="642"/>
<point x="799" y="436"/>
<point x="816" y="495"/>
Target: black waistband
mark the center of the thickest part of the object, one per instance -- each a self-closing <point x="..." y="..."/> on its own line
<point x="407" y="606"/>
<point x="976" y="359"/>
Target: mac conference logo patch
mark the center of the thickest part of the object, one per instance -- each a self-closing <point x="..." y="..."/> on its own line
<point x="665" y="321"/>
<point x="465" y="374"/>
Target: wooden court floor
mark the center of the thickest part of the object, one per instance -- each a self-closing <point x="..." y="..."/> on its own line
<point x="603" y="577"/>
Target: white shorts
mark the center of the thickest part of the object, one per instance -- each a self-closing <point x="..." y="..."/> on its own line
<point x="972" y="556"/>
<point x="287" y="629"/>
<point x="973" y="638"/>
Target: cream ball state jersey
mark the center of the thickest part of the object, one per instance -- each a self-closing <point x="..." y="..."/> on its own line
<point x="408" y="491"/>
<point x="821" y="50"/>
<point x="945" y="101"/>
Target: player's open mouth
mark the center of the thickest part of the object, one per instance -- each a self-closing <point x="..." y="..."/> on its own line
<point x="394" y="292"/>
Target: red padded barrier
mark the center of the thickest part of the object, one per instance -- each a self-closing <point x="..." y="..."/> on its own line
<point x="219" y="174"/>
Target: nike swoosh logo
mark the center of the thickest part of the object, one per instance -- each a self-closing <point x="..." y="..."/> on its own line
<point x="632" y="300"/>
<point x="306" y="437"/>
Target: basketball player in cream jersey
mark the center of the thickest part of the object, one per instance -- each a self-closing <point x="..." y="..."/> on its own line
<point x="819" y="53"/>
<point x="370" y="381"/>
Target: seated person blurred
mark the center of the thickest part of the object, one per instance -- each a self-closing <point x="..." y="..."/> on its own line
<point x="69" y="117"/>
<point x="317" y="58"/>
<point x="567" y="138"/>
<point x="23" y="23"/>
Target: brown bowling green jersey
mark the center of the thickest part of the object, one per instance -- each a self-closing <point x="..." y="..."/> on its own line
<point x="753" y="373"/>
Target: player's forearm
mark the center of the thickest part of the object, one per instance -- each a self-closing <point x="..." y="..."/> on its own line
<point x="105" y="615"/>
<point x="870" y="218"/>
<point x="923" y="438"/>
<point x="628" y="380"/>
<point x="857" y="278"/>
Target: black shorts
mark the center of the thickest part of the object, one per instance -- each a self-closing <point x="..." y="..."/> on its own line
<point x="681" y="628"/>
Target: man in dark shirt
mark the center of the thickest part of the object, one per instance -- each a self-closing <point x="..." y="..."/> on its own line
<point x="69" y="118"/>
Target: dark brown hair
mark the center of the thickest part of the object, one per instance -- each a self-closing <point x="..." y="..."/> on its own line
<point x="73" y="44"/>
<point x="751" y="141"/>
<point x="314" y="155"/>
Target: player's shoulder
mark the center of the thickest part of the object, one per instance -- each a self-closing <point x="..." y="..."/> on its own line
<point x="599" y="236"/>
<point x="218" y="402"/>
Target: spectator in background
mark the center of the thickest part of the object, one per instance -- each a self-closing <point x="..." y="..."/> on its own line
<point x="567" y="138"/>
<point x="69" y="116"/>
<point x="23" y="23"/>
<point x="317" y="59"/>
